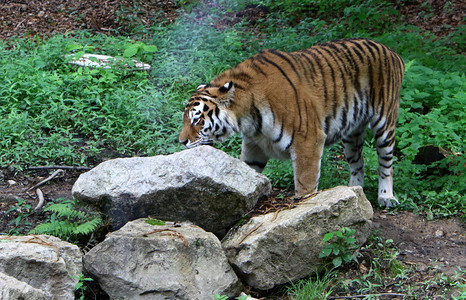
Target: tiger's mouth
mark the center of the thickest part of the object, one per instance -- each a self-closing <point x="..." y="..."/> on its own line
<point x="199" y="142"/>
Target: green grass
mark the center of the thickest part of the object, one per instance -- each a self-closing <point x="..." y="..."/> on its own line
<point x="314" y="288"/>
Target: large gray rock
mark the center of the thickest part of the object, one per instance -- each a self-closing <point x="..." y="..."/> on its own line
<point x="203" y="185"/>
<point x="47" y="267"/>
<point x="12" y="288"/>
<point x="143" y="261"/>
<point x="275" y="248"/>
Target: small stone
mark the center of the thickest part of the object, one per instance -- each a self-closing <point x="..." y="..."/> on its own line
<point x="11" y="182"/>
<point x="439" y="233"/>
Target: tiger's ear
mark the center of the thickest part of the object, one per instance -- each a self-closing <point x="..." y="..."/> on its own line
<point x="201" y="86"/>
<point x="226" y="87"/>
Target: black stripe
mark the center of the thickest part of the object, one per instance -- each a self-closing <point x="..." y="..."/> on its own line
<point x="344" y="118"/>
<point x="257" y="117"/>
<point x="356" y="51"/>
<point x="279" y="136"/>
<point x="378" y="134"/>
<point x="358" y="45"/>
<point x="354" y="159"/>
<point x="389" y="152"/>
<point x="385" y="143"/>
<point x="385" y="166"/>
<point x="386" y="158"/>
<point x="256" y="67"/>
<point x="355" y="106"/>
<point x="376" y="123"/>
<point x="355" y="172"/>
<point x="282" y="56"/>
<point x="370" y="45"/>
<point x="383" y="175"/>
<point x="327" y="124"/>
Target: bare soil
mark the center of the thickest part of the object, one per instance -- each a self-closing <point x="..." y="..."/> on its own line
<point x="429" y="247"/>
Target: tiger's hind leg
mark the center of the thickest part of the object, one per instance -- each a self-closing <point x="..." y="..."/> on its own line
<point x="353" y="144"/>
<point x="384" y="134"/>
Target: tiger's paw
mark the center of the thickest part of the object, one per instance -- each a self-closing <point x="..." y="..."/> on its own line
<point x="388" y="201"/>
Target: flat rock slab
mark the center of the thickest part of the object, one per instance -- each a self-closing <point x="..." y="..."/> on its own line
<point x="143" y="261"/>
<point x="276" y="248"/>
<point x="39" y="266"/>
<point x="203" y="185"/>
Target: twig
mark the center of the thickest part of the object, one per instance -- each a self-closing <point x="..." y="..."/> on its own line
<point x="247" y="235"/>
<point x="168" y="231"/>
<point x="46" y="179"/>
<point x="366" y="295"/>
<point x="40" y="196"/>
<point x="77" y="168"/>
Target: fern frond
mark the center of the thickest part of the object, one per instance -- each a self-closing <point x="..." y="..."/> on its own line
<point x="66" y="210"/>
<point x="88" y="226"/>
<point x="41" y="228"/>
<point x="67" y="222"/>
<point x="61" y="229"/>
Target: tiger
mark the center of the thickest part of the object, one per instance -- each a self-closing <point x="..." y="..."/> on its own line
<point x="290" y="105"/>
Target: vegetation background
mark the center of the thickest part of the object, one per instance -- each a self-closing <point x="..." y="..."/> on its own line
<point x="54" y="113"/>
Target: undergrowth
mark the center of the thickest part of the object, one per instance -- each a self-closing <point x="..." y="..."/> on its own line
<point x="67" y="221"/>
<point x="52" y="112"/>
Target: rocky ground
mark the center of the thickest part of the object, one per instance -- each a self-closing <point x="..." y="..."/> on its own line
<point x="429" y="248"/>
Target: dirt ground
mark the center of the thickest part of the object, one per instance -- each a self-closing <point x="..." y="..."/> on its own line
<point x="429" y="247"/>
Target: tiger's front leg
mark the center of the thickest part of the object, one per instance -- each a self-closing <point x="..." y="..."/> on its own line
<point x="306" y="154"/>
<point x="253" y="155"/>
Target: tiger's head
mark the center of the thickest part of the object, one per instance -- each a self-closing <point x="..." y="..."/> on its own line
<point x="206" y="118"/>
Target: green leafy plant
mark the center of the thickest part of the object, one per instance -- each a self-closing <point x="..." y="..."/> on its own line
<point x="138" y="48"/>
<point x="342" y="248"/>
<point x="67" y="222"/>
<point x="81" y="287"/>
<point x="20" y="223"/>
